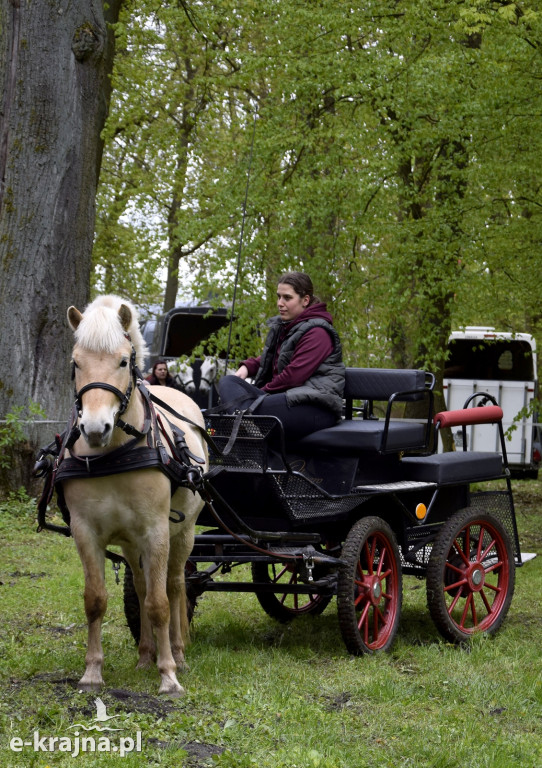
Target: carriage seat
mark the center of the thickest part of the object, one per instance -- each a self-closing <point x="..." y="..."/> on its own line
<point x="369" y="433"/>
<point x="455" y="466"/>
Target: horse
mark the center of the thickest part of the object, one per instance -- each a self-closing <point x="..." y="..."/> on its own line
<point x="183" y="375"/>
<point x="132" y="509"/>
<point x="208" y="373"/>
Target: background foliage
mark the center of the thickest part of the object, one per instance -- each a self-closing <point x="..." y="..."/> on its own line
<point x="394" y="158"/>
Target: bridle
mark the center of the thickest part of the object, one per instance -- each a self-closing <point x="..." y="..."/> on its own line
<point x="124" y="397"/>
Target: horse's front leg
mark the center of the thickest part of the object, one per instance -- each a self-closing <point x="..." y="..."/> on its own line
<point x="147" y="646"/>
<point x="179" y="629"/>
<point x="95" y="596"/>
<point x="157" y="608"/>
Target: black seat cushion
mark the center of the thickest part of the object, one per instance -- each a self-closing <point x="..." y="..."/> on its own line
<point x="453" y="466"/>
<point x="366" y="435"/>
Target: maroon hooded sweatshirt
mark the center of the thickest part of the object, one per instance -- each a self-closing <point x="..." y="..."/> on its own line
<point x="313" y="347"/>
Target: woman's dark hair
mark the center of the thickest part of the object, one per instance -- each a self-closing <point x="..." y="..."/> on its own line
<point x="301" y="283"/>
<point x="159" y="362"/>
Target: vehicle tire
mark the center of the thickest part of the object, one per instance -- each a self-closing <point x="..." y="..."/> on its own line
<point x="131" y="601"/>
<point x="470" y="576"/>
<point x="369" y="596"/>
<point x="283" y="606"/>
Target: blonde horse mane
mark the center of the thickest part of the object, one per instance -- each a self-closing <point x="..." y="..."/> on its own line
<point x="101" y="329"/>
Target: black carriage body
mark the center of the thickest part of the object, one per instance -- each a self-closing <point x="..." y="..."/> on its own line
<point x="316" y="490"/>
<point x="349" y="510"/>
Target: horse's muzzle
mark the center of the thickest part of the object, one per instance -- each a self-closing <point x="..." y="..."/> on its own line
<point x="97" y="438"/>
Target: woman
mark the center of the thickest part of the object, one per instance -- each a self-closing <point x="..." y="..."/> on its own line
<point x="299" y="377"/>
<point x="160" y="375"/>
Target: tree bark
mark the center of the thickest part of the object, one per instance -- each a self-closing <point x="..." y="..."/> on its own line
<point x="55" y="62"/>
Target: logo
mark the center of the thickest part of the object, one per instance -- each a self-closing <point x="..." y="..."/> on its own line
<point x="101" y="717"/>
<point x="77" y="743"/>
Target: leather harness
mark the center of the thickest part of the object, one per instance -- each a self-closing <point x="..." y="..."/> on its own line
<point x="179" y="463"/>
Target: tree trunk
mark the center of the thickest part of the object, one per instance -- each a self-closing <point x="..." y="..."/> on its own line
<point x="55" y="62"/>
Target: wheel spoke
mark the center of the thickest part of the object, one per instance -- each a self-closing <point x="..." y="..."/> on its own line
<point x="486" y="551"/>
<point x="468" y="602"/>
<point x="494" y="567"/>
<point x="489" y="607"/>
<point x="369" y="548"/>
<point x="278" y="576"/>
<point x="456" y="585"/>
<point x="383" y="555"/>
<point x="473" y="611"/>
<point x="455" y="601"/>
<point x="460" y="552"/>
<point x="362" y="621"/>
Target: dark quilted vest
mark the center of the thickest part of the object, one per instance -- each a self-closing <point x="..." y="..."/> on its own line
<point x="325" y="387"/>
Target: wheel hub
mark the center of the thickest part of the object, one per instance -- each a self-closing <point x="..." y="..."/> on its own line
<point x="476" y="577"/>
<point x="374" y="589"/>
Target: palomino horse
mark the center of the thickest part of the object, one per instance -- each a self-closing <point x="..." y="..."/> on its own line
<point x="130" y="508"/>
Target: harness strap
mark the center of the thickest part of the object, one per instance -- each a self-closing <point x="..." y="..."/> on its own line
<point x="44" y="467"/>
<point x="203" y="432"/>
<point x="131" y="430"/>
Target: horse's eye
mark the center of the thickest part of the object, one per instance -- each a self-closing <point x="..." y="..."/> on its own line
<point x="123" y="363"/>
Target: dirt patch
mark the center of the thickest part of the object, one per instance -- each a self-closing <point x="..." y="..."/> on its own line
<point x="22" y="574"/>
<point x="199" y="753"/>
<point x="120" y="700"/>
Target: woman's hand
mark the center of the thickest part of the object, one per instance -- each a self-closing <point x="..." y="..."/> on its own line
<point x="242" y="372"/>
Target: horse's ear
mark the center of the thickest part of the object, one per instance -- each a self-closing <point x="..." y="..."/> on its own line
<point x="125" y="316"/>
<point x="74" y="318"/>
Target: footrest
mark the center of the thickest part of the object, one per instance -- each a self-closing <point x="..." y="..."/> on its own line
<point x="454" y="466"/>
<point x="401" y="485"/>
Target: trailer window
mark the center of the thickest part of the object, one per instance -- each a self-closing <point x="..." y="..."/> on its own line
<point x="504" y="359"/>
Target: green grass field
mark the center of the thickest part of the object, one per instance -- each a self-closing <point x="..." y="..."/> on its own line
<point x="260" y="693"/>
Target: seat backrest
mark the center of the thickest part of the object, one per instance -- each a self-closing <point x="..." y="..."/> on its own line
<point x="382" y="383"/>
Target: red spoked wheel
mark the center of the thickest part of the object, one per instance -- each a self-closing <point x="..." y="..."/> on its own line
<point x="470" y="576"/>
<point x="369" y="596"/>
<point x="284" y="606"/>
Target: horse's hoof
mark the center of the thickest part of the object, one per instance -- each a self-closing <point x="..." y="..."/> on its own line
<point x="173" y="692"/>
<point x="89" y="685"/>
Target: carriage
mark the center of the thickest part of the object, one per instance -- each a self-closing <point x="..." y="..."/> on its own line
<point x="345" y="512"/>
<point x="349" y="510"/>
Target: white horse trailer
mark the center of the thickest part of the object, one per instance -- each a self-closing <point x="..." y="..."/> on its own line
<point x="504" y="365"/>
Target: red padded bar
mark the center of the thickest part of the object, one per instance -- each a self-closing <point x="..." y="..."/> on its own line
<point x="488" y="414"/>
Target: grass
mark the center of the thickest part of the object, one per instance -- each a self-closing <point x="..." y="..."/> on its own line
<point x="264" y="694"/>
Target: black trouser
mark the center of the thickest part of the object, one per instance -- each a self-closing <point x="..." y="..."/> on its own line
<point x="297" y="420"/>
